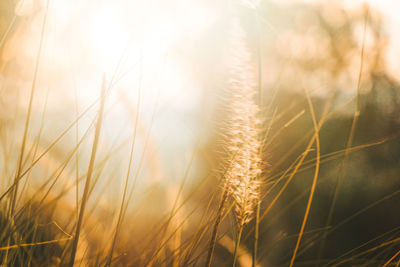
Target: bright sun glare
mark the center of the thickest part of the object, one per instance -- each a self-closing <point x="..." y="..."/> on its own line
<point x="92" y="38"/>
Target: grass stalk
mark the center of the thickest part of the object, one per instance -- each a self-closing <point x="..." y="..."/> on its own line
<point x="89" y="175"/>
<point x="256" y="235"/>
<point x="342" y="168"/>
<point x="14" y="192"/>
<point x="121" y="211"/>
<point x="216" y="225"/>
<point x="237" y="244"/>
<point x="314" y="183"/>
<point x="28" y="117"/>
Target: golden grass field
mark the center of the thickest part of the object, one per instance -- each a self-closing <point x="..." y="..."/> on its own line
<point x="199" y="133"/>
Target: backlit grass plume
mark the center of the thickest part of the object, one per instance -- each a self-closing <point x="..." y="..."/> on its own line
<point x="242" y="178"/>
<point x="243" y="129"/>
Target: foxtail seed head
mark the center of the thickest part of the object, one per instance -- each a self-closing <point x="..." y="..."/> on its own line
<point x="243" y="129"/>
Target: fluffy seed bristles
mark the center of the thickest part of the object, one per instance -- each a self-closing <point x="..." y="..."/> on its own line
<point x="243" y="129"/>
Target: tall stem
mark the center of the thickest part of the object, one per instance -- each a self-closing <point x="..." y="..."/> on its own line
<point x="237" y="244"/>
<point x="216" y="225"/>
<point x="256" y="231"/>
<point x="89" y="176"/>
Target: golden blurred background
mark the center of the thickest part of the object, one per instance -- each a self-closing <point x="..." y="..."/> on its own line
<point x="164" y="63"/>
